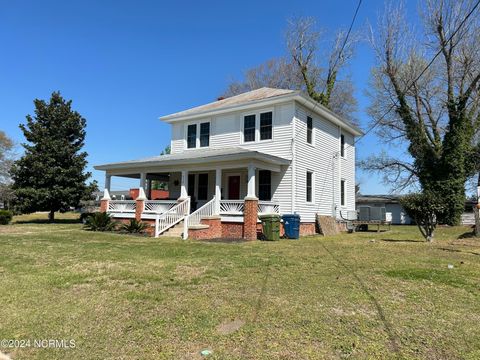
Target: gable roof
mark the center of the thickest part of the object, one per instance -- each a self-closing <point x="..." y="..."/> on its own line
<point x="260" y="97"/>
<point x="244" y="98"/>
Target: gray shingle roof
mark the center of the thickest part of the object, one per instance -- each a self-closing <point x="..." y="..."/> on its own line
<point x="250" y="96"/>
<point x="197" y="156"/>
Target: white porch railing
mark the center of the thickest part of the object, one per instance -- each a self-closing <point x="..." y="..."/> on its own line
<point x="232" y="207"/>
<point x="158" y="206"/>
<point x="237" y="207"/>
<point x="172" y="217"/>
<point x="206" y="210"/>
<point x="122" y="206"/>
<point x="268" y="207"/>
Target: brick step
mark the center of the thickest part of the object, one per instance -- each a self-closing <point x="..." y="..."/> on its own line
<point x="175" y="231"/>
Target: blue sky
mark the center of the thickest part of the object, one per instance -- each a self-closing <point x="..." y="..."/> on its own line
<point x="125" y="63"/>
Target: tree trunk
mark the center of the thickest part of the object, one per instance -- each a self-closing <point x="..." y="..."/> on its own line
<point x="51" y="216"/>
<point x="477" y="221"/>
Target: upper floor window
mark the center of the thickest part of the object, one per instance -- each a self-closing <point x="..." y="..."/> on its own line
<point x="198" y="135"/>
<point x="342" y="145"/>
<point x="192" y="136"/>
<point x="342" y="192"/>
<point x="205" y="134"/>
<point x="309" y="130"/>
<point x="309" y="183"/>
<point x="265" y="185"/>
<point x="266" y="126"/>
<point x="249" y="128"/>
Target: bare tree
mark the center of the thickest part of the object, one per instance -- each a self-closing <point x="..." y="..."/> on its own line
<point x="301" y="68"/>
<point x="431" y="108"/>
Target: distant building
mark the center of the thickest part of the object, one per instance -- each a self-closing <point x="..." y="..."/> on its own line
<point x="399" y="215"/>
<point x="390" y="203"/>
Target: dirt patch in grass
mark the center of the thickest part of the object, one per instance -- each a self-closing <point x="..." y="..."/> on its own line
<point x="229" y="327"/>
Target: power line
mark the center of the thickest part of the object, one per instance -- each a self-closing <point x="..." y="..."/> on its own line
<point x="344" y="42"/>
<point x="348" y="34"/>
<point x="421" y="73"/>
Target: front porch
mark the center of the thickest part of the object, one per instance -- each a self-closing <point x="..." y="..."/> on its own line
<point x="201" y="191"/>
<point x="230" y="210"/>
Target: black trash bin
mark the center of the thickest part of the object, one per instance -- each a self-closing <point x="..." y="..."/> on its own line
<point x="291" y="224"/>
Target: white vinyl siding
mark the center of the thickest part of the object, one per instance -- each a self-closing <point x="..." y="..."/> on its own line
<point x="323" y="158"/>
<point x="324" y="161"/>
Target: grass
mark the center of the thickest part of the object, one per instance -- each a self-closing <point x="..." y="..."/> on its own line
<point x="366" y="295"/>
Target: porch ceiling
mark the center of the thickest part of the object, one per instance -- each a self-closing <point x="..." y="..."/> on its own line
<point x="235" y="156"/>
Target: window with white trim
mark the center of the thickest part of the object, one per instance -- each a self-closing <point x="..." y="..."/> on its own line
<point x="309" y="130"/>
<point x="202" y="186"/>
<point x="309" y="186"/>
<point x="205" y="134"/>
<point x="198" y="135"/>
<point x="249" y="128"/>
<point x="342" y="145"/>
<point x="265" y="185"/>
<point x="192" y="136"/>
<point x="266" y="125"/>
<point x="342" y="192"/>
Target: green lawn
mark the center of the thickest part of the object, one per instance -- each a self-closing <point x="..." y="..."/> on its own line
<point x="366" y="295"/>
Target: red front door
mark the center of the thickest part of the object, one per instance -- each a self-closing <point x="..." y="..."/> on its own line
<point x="234" y="187"/>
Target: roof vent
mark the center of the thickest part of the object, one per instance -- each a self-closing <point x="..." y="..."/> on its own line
<point x="220" y="98"/>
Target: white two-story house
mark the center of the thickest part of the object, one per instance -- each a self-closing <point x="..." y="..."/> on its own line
<point x="276" y="147"/>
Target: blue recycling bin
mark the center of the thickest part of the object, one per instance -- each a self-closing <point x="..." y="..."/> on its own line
<point x="291" y="224"/>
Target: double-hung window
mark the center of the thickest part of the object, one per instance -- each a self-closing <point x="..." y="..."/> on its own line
<point x="309" y="189"/>
<point x="205" y="134"/>
<point x="249" y="128"/>
<point x="198" y="135"/>
<point x="191" y="185"/>
<point x="202" y="186"/>
<point x="309" y="130"/>
<point x="266" y="126"/>
<point x="265" y="185"/>
<point x="192" y="136"/>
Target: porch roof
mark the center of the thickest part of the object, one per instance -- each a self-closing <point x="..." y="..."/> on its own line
<point x="197" y="156"/>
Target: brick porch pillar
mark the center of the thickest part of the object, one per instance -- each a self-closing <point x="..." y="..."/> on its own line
<point x="140" y="204"/>
<point x="104" y="201"/>
<point x="250" y="216"/>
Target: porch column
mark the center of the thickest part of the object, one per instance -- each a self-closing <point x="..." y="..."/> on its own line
<point x="140" y="204"/>
<point x="149" y="189"/>
<point x="251" y="182"/>
<point x="108" y="181"/>
<point x="250" y="212"/>
<point x="218" y="190"/>
<point x="143" y="180"/>
<point x="104" y="201"/>
<point x="184" y="185"/>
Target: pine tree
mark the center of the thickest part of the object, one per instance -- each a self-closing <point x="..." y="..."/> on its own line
<point x="51" y="175"/>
